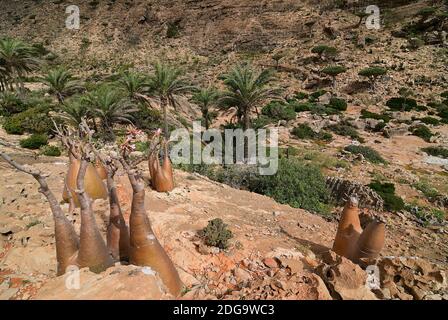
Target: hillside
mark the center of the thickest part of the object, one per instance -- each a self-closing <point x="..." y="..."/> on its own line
<point x="377" y="132"/>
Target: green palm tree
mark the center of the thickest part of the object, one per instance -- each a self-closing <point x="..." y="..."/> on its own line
<point x="245" y="90"/>
<point x="134" y="84"/>
<point x="111" y="107"/>
<point x="166" y="83"/>
<point x="17" y="59"/>
<point x="61" y="83"/>
<point x="73" y="112"/>
<point x="205" y="98"/>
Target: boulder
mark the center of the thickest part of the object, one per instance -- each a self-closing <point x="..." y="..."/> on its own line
<point x="116" y="283"/>
<point x="411" y="278"/>
<point x="31" y="260"/>
<point x="346" y="280"/>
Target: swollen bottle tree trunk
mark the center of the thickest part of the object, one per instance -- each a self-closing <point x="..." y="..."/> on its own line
<point x="117" y="230"/>
<point x="349" y="230"/>
<point x="67" y="242"/>
<point x="164" y="180"/>
<point x="371" y="241"/>
<point x="93" y="185"/>
<point x="93" y="252"/>
<point x="145" y="249"/>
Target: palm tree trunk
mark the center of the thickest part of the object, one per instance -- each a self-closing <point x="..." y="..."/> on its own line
<point x="206" y="118"/>
<point x="163" y="105"/>
<point x="60" y="98"/>
<point x="95" y="127"/>
<point x="246" y="126"/>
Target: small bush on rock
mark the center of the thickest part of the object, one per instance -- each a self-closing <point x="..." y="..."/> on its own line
<point x="298" y="184"/>
<point x="11" y="104"/>
<point x="314" y="97"/>
<point x="302" y="107"/>
<point x="304" y="131"/>
<point x="346" y="130"/>
<point x="325" y="51"/>
<point x="392" y="202"/>
<point x="13" y="126"/>
<point x="50" y="151"/>
<point x="437" y="152"/>
<point x="365" y="114"/>
<point x="401" y="104"/>
<point x="34" y="142"/>
<point x="279" y="111"/>
<point x="338" y="104"/>
<point x="216" y="234"/>
<point x="422" y="131"/>
<point x="368" y="153"/>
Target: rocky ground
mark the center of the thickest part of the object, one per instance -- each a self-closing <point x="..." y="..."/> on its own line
<point x="277" y="252"/>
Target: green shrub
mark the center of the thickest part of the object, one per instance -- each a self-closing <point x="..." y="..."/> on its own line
<point x="429" y="192"/>
<point x="314" y="97"/>
<point x="372" y="115"/>
<point x="141" y="146"/>
<point x="421" y="108"/>
<point x="444" y="94"/>
<point x="304" y="131"/>
<point x="13" y="126"/>
<point x="426" y="12"/>
<point x="379" y="127"/>
<point x="427" y="215"/>
<point x="33" y="120"/>
<point x="372" y="72"/>
<point x="401" y="104"/>
<point x="323" y="110"/>
<point x="386" y="191"/>
<point x="368" y="153"/>
<point x="338" y="104"/>
<point x="302" y="96"/>
<point x="414" y="43"/>
<point x="333" y="71"/>
<point x="422" y="131"/>
<point x="302" y="107"/>
<point x="261" y="122"/>
<point x="443" y="112"/>
<point x="35" y="141"/>
<point x="288" y="152"/>
<point x="346" y="130"/>
<point x="440" y="152"/>
<point x="279" y="111"/>
<point x="430" y="120"/>
<point x="50" y="151"/>
<point x="298" y="184"/>
<point x="11" y="104"/>
<point x="147" y="119"/>
<point x="173" y="30"/>
<point x="216" y="234"/>
<point x="324" y="50"/>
